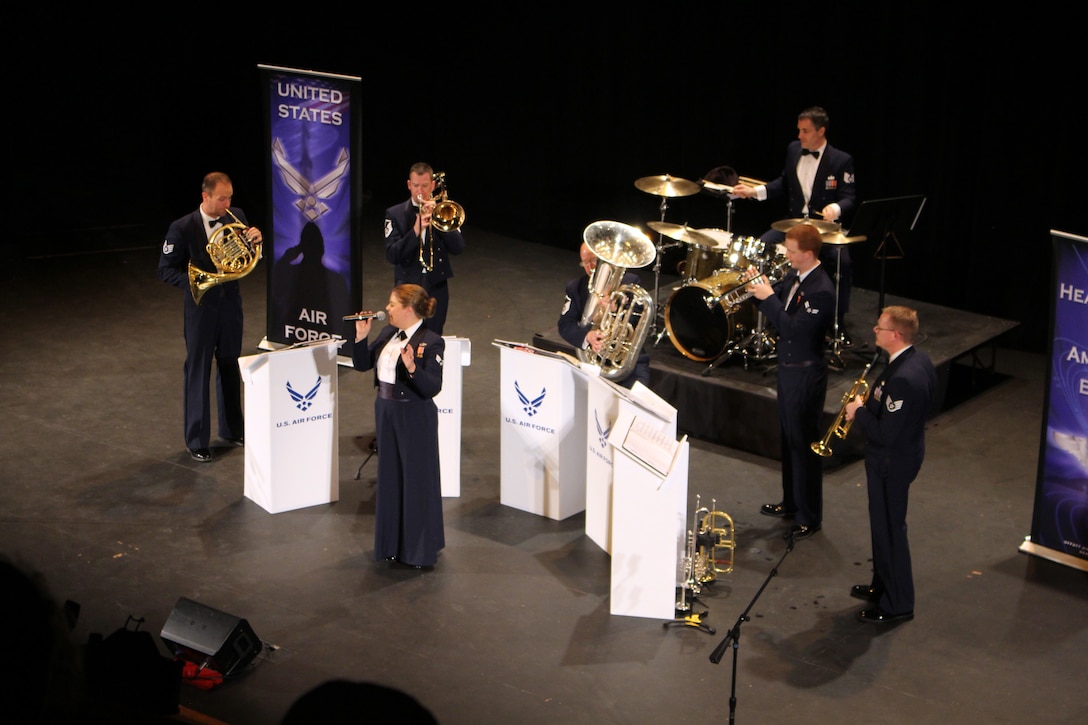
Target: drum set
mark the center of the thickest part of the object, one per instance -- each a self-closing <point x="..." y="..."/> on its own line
<point x="708" y="318"/>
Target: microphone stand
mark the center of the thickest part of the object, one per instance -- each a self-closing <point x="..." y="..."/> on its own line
<point x="733" y="635"/>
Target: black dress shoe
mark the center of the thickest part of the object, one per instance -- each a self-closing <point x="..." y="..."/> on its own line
<point x="864" y="592"/>
<point x="200" y="454"/>
<point x="800" y="531"/>
<point x="239" y="441"/>
<point x="879" y="616"/>
<point x="776" y="509"/>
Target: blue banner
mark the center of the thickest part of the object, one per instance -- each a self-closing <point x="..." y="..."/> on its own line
<point x="313" y="171"/>
<point x="1059" y="529"/>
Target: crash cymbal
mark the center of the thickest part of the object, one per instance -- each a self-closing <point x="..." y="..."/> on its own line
<point x="667" y="186"/>
<point x="784" y="225"/>
<point x="838" y="238"/>
<point x="682" y="233"/>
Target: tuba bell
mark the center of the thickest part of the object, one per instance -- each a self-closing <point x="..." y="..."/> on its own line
<point x="232" y="254"/>
<point x="447" y="215"/>
<point x="612" y="307"/>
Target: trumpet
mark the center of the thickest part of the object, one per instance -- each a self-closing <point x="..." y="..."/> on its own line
<point x="841" y="426"/>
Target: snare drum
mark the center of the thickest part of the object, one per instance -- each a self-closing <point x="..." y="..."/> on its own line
<point x="703" y="260"/>
<point x="698" y="324"/>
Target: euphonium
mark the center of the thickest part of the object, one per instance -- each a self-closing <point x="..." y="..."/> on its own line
<point x="841" y="426"/>
<point x="612" y="307"/>
<point x="447" y="215"/>
<point x="233" y="256"/>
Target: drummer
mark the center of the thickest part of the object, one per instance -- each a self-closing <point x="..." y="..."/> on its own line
<point x="818" y="182"/>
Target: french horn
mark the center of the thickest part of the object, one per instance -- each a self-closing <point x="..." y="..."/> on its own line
<point x="232" y="254"/>
<point x="622" y="313"/>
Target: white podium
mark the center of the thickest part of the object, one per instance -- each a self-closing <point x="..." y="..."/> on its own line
<point x="542" y="399"/>
<point x="605" y="402"/>
<point x="649" y="501"/>
<point x="292" y="431"/>
<point x="448" y="401"/>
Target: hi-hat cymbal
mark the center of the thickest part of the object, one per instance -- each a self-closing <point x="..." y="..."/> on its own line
<point x="784" y="225"/>
<point x="667" y="186"/>
<point x="682" y="233"/>
<point x="838" y="238"/>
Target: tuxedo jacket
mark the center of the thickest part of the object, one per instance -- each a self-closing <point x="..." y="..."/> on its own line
<point x="426" y="381"/>
<point x="834" y="183"/>
<point x="186" y="241"/>
<point x="894" y="415"/>
<point x="803" y="327"/>
<point x="402" y="248"/>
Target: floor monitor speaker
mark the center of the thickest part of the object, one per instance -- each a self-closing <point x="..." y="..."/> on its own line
<point x="198" y="633"/>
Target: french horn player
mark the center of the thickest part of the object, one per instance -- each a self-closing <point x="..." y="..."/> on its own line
<point x="618" y="344"/>
<point x="204" y="255"/>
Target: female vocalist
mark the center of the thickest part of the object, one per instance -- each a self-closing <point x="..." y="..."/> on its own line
<point x="407" y="361"/>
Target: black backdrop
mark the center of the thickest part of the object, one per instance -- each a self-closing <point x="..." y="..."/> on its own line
<point x="543" y="122"/>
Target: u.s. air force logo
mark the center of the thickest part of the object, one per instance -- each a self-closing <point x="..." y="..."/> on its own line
<point x="531" y="407"/>
<point x="602" y="433"/>
<point x="303" y="401"/>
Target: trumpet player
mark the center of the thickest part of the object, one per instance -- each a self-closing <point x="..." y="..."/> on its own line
<point x="419" y="253"/>
<point x="893" y="421"/>
<point x="801" y="308"/>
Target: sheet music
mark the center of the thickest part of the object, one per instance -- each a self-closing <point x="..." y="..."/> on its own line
<point x="651" y="445"/>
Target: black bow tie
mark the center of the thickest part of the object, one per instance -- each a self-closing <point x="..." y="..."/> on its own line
<point x="213" y="222"/>
<point x="806" y="152"/>
<point x="401" y="335"/>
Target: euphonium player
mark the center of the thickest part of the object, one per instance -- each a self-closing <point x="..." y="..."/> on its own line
<point x="213" y="328"/>
<point x="893" y="421"/>
<point x="571" y="330"/>
<point x="420" y="253"/>
<point x="802" y="316"/>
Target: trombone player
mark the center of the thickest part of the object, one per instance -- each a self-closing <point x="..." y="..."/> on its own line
<point x="893" y="421"/>
<point x="419" y="252"/>
<point x="801" y="308"/>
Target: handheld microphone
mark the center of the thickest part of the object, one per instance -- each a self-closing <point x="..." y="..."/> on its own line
<point x="379" y="315"/>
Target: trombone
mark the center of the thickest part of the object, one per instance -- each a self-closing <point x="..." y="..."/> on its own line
<point x="841" y="426"/>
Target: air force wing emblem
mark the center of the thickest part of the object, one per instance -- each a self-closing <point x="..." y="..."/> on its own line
<point x="531" y="407"/>
<point x="303" y="401"/>
<point x="310" y="192"/>
<point x="602" y="433"/>
<point x="167" y="247"/>
<point x="893" y="405"/>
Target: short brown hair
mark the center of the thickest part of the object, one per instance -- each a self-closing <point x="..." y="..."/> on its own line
<point x="807" y="237"/>
<point x="903" y="320"/>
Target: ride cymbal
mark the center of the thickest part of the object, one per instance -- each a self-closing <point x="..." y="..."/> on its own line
<point x="838" y="238"/>
<point x="666" y="185"/>
<point x="682" y="233"/>
<point x="784" y="225"/>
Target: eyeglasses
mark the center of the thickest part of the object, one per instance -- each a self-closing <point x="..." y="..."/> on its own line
<point x="877" y="328"/>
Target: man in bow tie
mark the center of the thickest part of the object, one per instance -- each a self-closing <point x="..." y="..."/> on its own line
<point x="800" y="307"/>
<point x="818" y="183"/>
<point x="213" y="326"/>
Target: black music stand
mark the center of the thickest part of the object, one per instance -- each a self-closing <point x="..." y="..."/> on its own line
<point x="882" y="218"/>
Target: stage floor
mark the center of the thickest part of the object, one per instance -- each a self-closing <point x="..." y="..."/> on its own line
<point x="733" y="402"/>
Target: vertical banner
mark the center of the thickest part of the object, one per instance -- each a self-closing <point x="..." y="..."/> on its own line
<point x="314" y="261"/>
<point x="1059" y="527"/>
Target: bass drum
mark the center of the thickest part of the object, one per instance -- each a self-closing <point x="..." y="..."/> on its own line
<point x="698" y="324"/>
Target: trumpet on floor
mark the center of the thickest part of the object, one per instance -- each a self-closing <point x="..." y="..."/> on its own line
<point x="710" y="547"/>
<point x="841" y="426"/>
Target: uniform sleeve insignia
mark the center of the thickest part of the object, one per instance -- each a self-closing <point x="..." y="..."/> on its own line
<point x="893" y="405"/>
<point x="167" y="247"/>
<point x="566" y="306"/>
<point x="848" y="178"/>
<point x="388" y="227"/>
<point x="438" y="359"/>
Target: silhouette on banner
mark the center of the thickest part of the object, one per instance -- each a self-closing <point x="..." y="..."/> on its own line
<point x="310" y="299"/>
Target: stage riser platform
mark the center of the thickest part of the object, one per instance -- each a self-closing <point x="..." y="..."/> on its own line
<point x="736" y="406"/>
